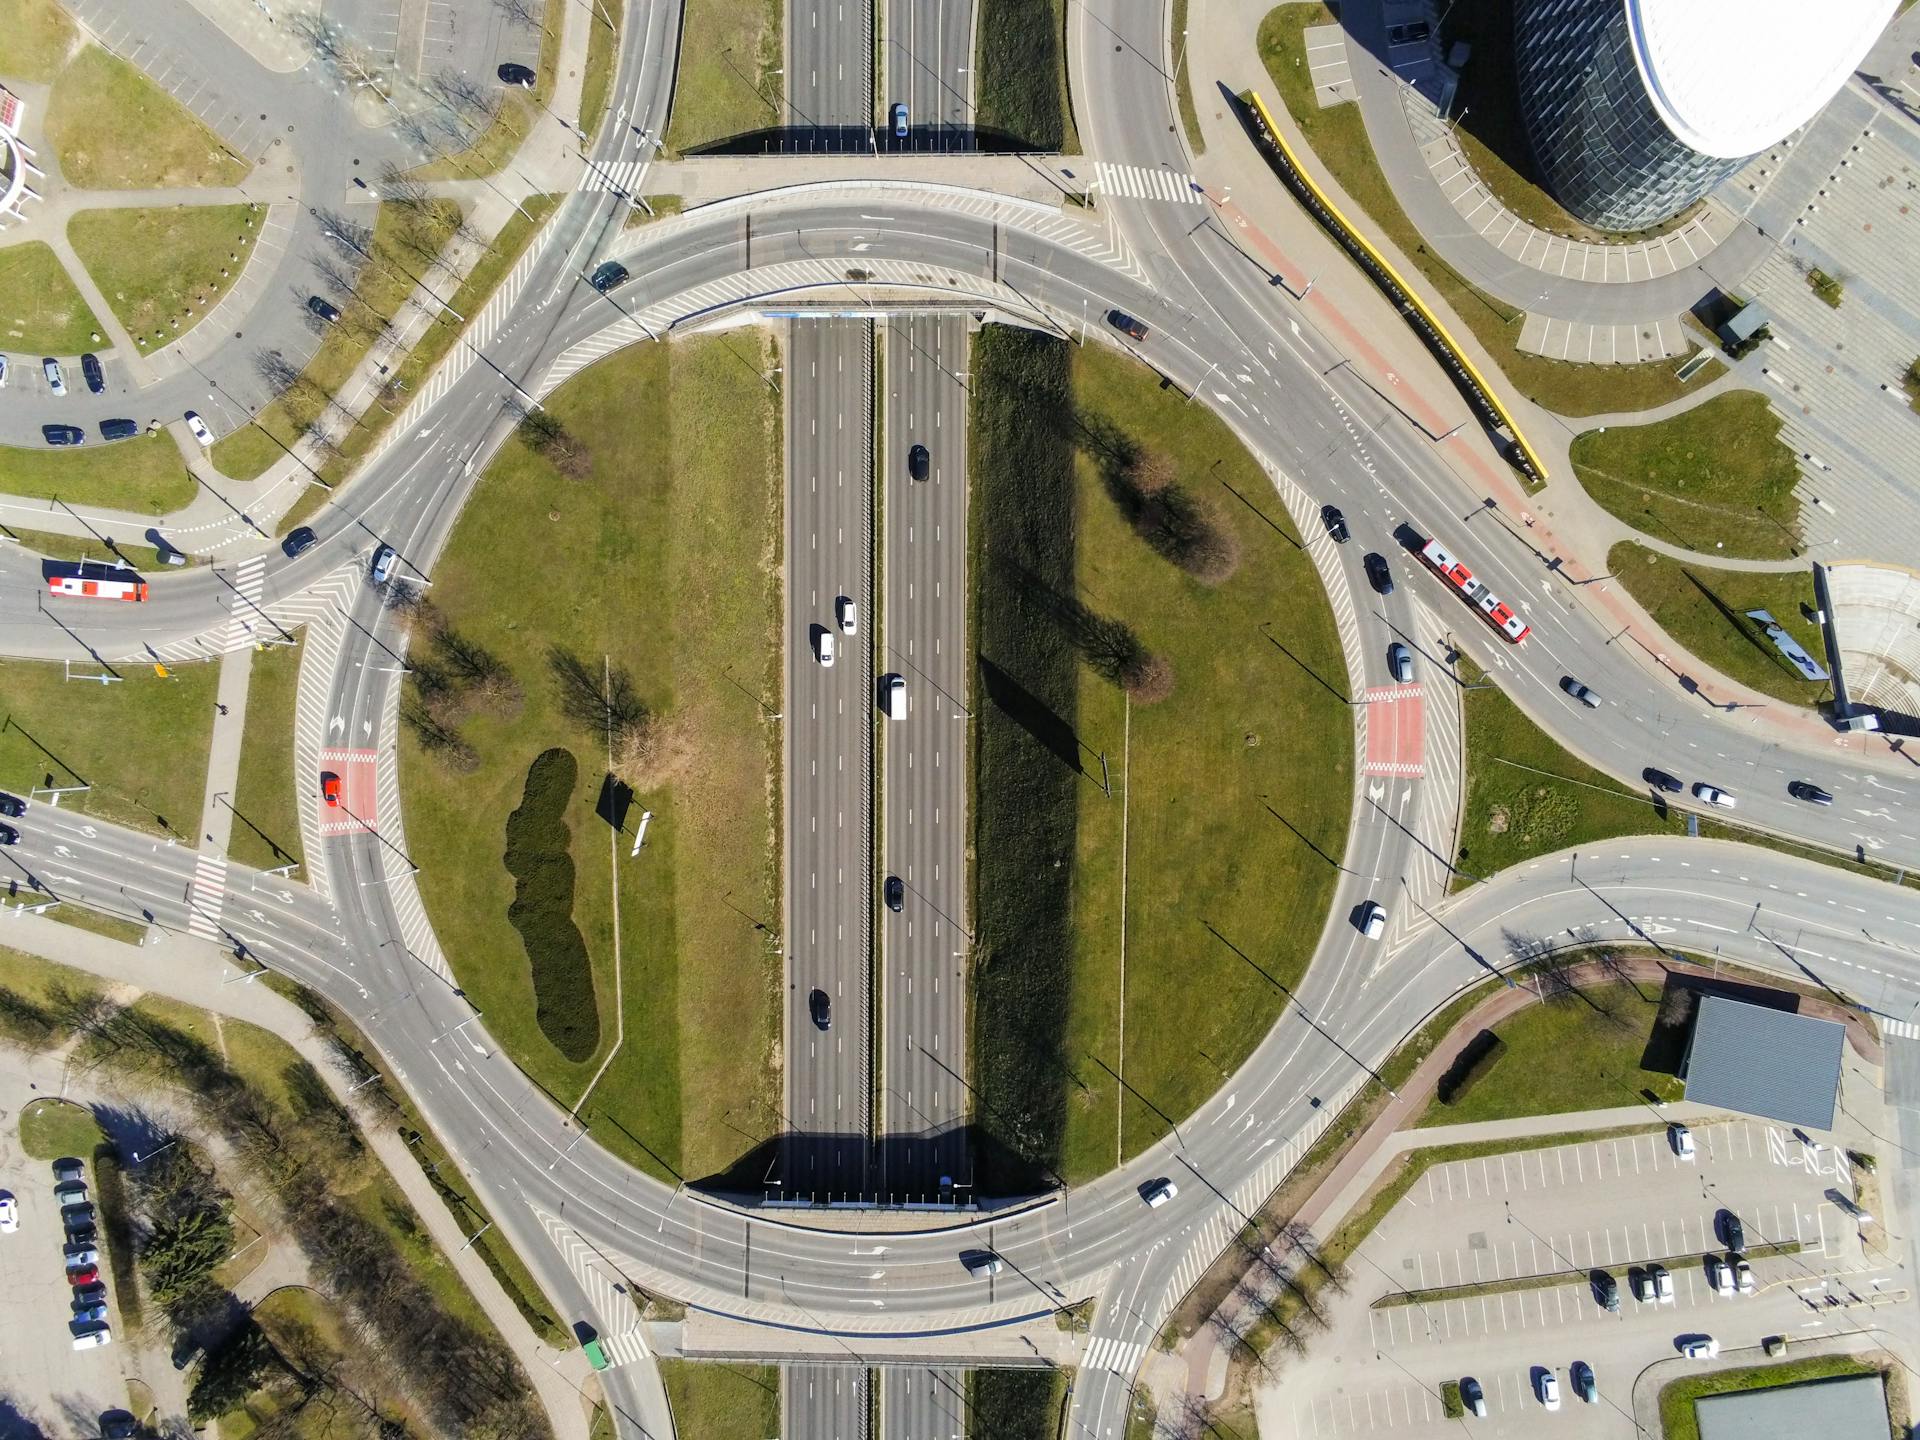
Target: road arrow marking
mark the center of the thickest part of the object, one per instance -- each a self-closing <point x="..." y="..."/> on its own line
<point x="335" y="726"/>
<point x="1650" y="928"/>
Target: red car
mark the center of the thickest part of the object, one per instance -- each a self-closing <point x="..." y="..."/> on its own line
<point x="85" y="1275"/>
<point x="330" y="788"/>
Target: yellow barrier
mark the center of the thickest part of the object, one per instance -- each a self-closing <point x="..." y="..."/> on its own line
<point x="1487" y="393"/>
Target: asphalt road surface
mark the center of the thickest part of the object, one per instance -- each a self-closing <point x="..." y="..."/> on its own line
<point x="825" y="1402"/>
<point x="929" y="69"/>
<point x="919" y="1402"/>
<point x="830" y="75"/>
<point x="831" y="713"/>
<point x="924" y="945"/>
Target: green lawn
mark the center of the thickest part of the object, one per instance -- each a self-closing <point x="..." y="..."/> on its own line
<point x="50" y="1129"/>
<point x="725" y="85"/>
<point x="1183" y="81"/>
<point x="1005" y="1404"/>
<point x="266" y="822"/>
<point x="40" y="308"/>
<point x="164" y="270"/>
<point x="129" y="932"/>
<point x="682" y="500"/>
<point x="56" y="546"/>
<point x="1715" y="478"/>
<point x="1573" y="1052"/>
<point x="1020" y="75"/>
<point x="383" y="285"/>
<point x="1338" y="137"/>
<point x="721" y="1401"/>
<point x="114" y="129"/>
<point x="1678" y="1419"/>
<point x="141" y="744"/>
<point x="603" y="42"/>
<point x="1224" y="899"/>
<point x="35" y="36"/>
<point x="145" y="475"/>
<point x="1705" y="610"/>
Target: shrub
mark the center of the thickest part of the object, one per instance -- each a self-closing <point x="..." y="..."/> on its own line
<point x="1826" y="287"/>
<point x="1147" y="678"/>
<point x="1187" y="529"/>
<point x="1452" y="1407"/>
<point x="1470" y="1066"/>
<point x="540" y="859"/>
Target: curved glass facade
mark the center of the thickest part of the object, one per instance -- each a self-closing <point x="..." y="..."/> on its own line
<point x="1602" y="148"/>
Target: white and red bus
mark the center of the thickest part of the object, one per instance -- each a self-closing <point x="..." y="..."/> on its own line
<point x="94" y="580"/>
<point x="1495" y="611"/>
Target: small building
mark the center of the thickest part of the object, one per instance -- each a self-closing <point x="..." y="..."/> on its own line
<point x="1773" y="1063"/>
<point x="1848" y="1407"/>
<point x="1744" y="324"/>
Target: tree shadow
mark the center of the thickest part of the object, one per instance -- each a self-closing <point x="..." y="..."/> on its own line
<point x="1032" y="714"/>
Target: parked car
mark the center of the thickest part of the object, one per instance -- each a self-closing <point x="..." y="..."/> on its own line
<point x="382" y="568"/>
<point x="93" y="1339"/>
<point x="896" y="894"/>
<point x="1583" y="1383"/>
<point x="511" y="74"/>
<point x="609" y="274"/>
<point x="9" y="1213"/>
<point x="74" y="1216"/>
<point x="79" y="1275"/>
<point x="323" y="309"/>
<point x="1699" y="1347"/>
<point x="1743" y="1277"/>
<point x="1662" y="1283"/>
<point x="1732" y="1231"/>
<point x="1681" y="1139"/>
<point x="1400" y="662"/>
<point x="1579" y="692"/>
<point x="56" y="378"/>
<point x="1660" y="780"/>
<point x="900" y="126"/>
<point x="1720" y="1274"/>
<point x="1714" y="795"/>
<point x="120" y="429"/>
<point x="919" y="462"/>
<point x="1336" y="523"/>
<point x="94" y="1294"/>
<point x="1642" y="1282"/>
<point x="1606" y="1289"/>
<point x="299" y="540"/>
<point x="63" y="434"/>
<point x="198" y="428"/>
<point x="88" y="1314"/>
<point x="1126" y="324"/>
<point x="69" y="1191"/>
<point x="90" y="371"/>
<point x="67" y="1168"/>
<point x="1158" y="1192"/>
<point x="81" y="1257"/>
<point x="849" y="614"/>
<point x="1808" y="791"/>
<point x="820" y="1007"/>
<point x="1547" y="1386"/>
<point x="1378" y="574"/>
<point x="84" y="1235"/>
<point x="3" y="372"/>
<point x="1473" y="1397"/>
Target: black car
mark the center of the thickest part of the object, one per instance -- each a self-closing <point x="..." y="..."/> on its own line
<point x="67" y="1168"/>
<point x="83" y="1235"/>
<point x="118" y="429"/>
<point x="9" y="835"/>
<point x="1583" y="1385"/>
<point x="323" y="309"/>
<point x="1126" y="324"/>
<point x="299" y="540"/>
<point x="820" y="1006"/>
<point x="1378" y="575"/>
<point x="12" y="805"/>
<point x="96" y="380"/>
<point x="1335" y="522"/>
<point x="1732" y="1231"/>
<point x="1808" y="791"/>
<point x="896" y="893"/>
<point x="63" y="434"/>
<point x="77" y="1217"/>
<point x="511" y="74"/>
<point x="1660" y="780"/>
<point x="918" y="462"/>
<point x="610" y="274"/>
<point x="1606" y="1290"/>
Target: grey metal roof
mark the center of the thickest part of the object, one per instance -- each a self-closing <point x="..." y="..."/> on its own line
<point x="1748" y="319"/>
<point x="1765" y="1062"/>
<point x="1850" y="1408"/>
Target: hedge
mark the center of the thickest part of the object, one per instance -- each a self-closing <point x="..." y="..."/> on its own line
<point x="539" y="857"/>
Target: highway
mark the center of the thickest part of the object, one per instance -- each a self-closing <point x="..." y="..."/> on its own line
<point x="928" y="58"/>
<point x="830" y="719"/>
<point x="829" y="76"/>
<point x="923" y="1057"/>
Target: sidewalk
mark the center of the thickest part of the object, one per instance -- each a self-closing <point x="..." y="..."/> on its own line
<point x="558" y="1377"/>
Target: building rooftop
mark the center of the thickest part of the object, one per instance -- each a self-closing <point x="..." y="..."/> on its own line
<point x="1731" y="77"/>
<point x="1772" y="1063"/>
<point x="1848" y="1408"/>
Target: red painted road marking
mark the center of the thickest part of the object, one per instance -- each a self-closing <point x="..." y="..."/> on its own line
<point x="359" y="771"/>
<point x="1396" y="731"/>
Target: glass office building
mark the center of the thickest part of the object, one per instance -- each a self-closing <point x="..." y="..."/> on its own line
<point x="1637" y="108"/>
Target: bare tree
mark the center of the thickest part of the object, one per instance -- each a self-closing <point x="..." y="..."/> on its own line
<point x="336" y="274"/>
<point x="518" y="13"/>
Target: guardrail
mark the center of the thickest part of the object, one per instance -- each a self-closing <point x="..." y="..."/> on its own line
<point x="1466" y="378"/>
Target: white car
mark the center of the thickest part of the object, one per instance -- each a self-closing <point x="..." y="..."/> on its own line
<point x="1373" y="920"/>
<point x="1714" y="795"/>
<point x="1681" y="1138"/>
<point x="1743" y="1275"/>
<point x="9" y="1213"/>
<point x="849" y="614"/>
<point x="1699" y="1347"/>
<point x="824" y="648"/>
<point x="1159" y="1193"/>
<point x="93" y="1339"/>
<point x="1663" y="1284"/>
<point x="1720" y="1272"/>
<point x="3" y="372"/>
<point x="1550" y="1390"/>
<point x="983" y="1265"/>
<point x="199" y="428"/>
<point x="55" y="380"/>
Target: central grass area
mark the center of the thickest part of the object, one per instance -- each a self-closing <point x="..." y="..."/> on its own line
<point x="667" y="553"/>
<point x="114" y="129"/>
<point x="1578" y="1051"/>
<point x="164" y="270"/>
<point x="1020" y="74"/>
<point x="1220" y="792"/>
<point x="141" y="745"/>
<point x="1705" y="610"/>
<point x="1679" y="1420"/>
<point x="727" y="84"/>
<point x="40" y="307"/>
<point x="266" y="821"/>
<point x="52" y="1128"/>
<point x="1715" y="478"/>
<point x="1338" y="137"/>
<point x="145" y="475"/>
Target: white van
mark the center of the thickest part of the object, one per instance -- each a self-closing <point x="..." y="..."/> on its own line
<point x="826" y="648"/>
<point x="896" y="698"/>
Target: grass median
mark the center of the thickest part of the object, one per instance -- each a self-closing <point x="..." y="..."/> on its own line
<point x="40" y="307"/>
<point x="1337" y="136"/>
<point x="603" y="43"/>
<point x="1221" y="902"/>
<point x="163" y="270"/>
<point x="141" y="744"/>
<point x="1715" y="478"/>
<point x="1680" y="1421"/>
<point x="1021" y="84"/>
<point x="145" y="475"/>
<point x="667" y="548"/>
<point x="729" y="84"/>
<point x="266" y="817"/>
<point x="114" y="129"/>
<point x="719" y="1400"/>
<point x="1704" y="609"/>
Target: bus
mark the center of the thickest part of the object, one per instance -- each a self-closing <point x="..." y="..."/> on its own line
<point x="94" y="580"/>
<point x="1495" y="611"/>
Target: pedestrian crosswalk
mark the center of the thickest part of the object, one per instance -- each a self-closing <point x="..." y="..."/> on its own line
<point x="1901" y="1029"/>
<point x="622" y="177"/>
<point x="1119" y="1356"/>
<point x="209" y="896"/>
<point x="1143" y="182"/>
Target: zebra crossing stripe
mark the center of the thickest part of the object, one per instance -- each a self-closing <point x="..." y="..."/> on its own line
<point x="1118" y="1356"/>
<point x="1901" y="1029"/>
<point x="209" y="896"/>
<point x="1144" y="182"/>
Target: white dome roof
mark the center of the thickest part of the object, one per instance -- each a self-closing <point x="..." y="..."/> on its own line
<point x="1731" y="77"/>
